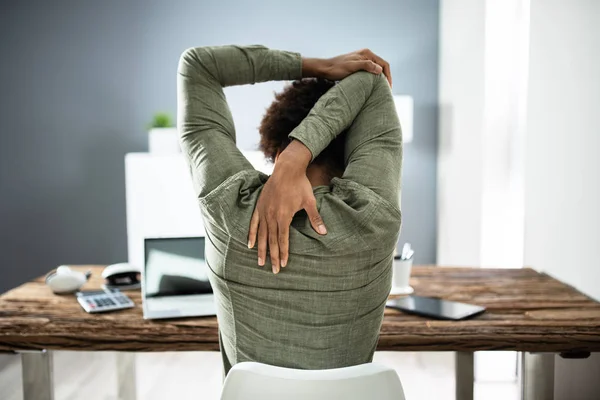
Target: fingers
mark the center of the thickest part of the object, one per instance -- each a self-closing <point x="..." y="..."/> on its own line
<point x="262" y="241"/>
<point x="369" y="66"/>
<point x="315" y="218"/>
<point x="379" y="61"/>
<point x="270" y="236"/>
<point x="284" y="236"/>
<point x="273" y="244"/>
<point x="384" y="65"/>
<point x="388" y="73"/>
<point x="253" y="229"/>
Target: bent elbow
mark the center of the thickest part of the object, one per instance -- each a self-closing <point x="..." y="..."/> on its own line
<point x="188" y="61"/>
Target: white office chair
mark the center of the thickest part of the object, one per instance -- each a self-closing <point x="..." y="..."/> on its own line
<point x="251" y="381"/>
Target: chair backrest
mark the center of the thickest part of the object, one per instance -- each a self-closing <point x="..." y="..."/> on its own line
<point x="250" y="381"/>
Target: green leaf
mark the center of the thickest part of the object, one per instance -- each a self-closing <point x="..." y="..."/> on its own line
<point x="161" y="120"/>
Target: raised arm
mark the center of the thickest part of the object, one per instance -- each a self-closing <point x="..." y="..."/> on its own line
<point x="363" y="105"/>
<point x="204" y="120"/>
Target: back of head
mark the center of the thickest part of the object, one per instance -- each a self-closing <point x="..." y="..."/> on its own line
<point x="286" y="112"/>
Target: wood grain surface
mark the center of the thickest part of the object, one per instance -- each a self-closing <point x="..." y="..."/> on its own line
<point x="526" y="311"/>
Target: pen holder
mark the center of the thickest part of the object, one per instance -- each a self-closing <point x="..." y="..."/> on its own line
<point x="401" y="270"/>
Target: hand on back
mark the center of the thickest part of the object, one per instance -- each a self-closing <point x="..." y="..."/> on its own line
<point x="288" y="190"/>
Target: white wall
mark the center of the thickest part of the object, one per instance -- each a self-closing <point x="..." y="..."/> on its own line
<point x="483" y="55"/>
<point x="506" y="56"/>
<point x="519" y="155"/>
<point x="562" y="153"/>
<point x="482" y="86"/>
<point x="562" y="161"/>
<point x="461" y="96"/>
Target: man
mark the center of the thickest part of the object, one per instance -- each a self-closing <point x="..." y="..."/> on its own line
<point x="329" y="214"/>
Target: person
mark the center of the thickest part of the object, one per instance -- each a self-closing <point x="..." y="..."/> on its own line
<point x="328" y="217"/>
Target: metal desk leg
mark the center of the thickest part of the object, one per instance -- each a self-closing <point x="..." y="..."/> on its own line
<point x="126" y="378"/>
<point x="537" y="376"/>
<point x="464" y="375"/>
<point x="38" y="382"/>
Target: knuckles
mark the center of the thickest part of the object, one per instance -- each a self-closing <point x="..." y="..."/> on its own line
<point x="310" y="202"/>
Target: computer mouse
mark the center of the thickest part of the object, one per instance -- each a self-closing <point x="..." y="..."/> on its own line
<point x="64" y="280"/>
<point x="123" y="276"/>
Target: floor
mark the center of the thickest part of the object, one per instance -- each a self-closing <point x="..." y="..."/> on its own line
<point x="183" y="376"/>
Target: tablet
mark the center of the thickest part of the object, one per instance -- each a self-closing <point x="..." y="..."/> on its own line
<point x="435" y="308"/>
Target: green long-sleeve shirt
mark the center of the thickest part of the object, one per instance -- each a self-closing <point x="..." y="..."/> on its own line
<point x="324" y="310"/>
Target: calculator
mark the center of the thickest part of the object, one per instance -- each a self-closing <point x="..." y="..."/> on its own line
<point x="98" y="301"/>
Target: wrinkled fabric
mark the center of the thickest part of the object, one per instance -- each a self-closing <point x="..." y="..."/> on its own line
<point x="325" y="308"/>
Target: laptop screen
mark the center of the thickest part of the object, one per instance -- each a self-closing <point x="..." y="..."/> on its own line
<point x="175" y="267"/>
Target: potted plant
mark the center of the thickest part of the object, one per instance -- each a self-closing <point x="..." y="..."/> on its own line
<point x="163" y="137"/>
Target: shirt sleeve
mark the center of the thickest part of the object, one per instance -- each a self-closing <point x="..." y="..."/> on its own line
<point x="204" y="121"/>
<point x="363" y="106"/>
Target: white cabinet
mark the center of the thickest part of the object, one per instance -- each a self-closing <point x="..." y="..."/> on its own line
<point x="161" y="201"/>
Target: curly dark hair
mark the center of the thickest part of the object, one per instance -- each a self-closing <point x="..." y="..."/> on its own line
<point x="286" y="112"/>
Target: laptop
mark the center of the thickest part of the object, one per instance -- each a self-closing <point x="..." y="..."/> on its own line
<point x="175" y="279"/>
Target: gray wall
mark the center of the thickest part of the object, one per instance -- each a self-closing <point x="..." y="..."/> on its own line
<point x="80" y="80"/>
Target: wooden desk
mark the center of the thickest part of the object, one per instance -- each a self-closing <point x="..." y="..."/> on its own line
<point x="527" y="312"/>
